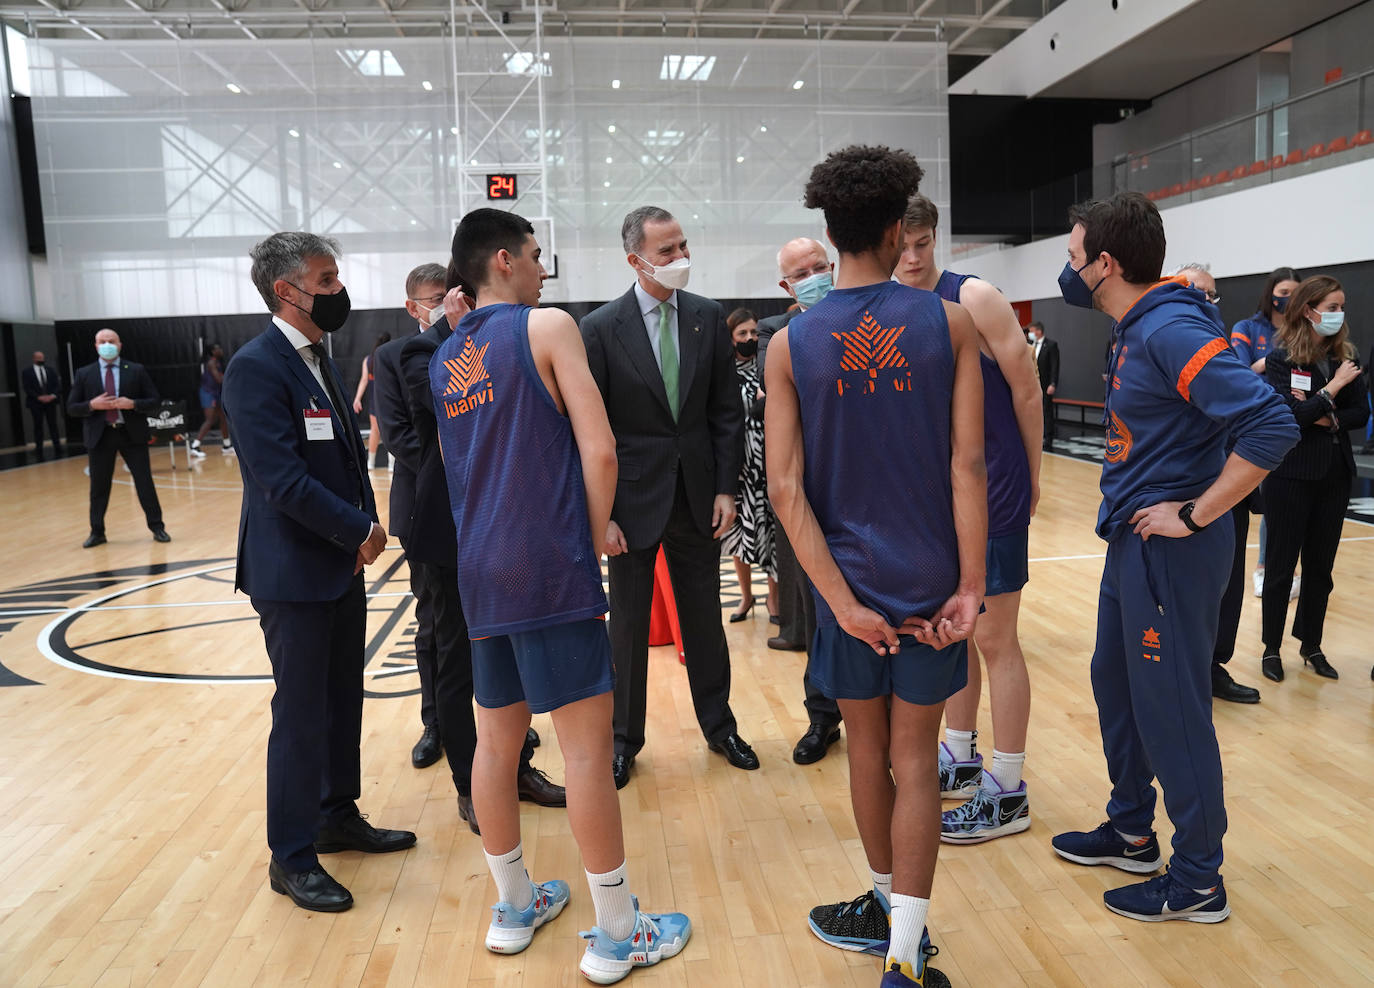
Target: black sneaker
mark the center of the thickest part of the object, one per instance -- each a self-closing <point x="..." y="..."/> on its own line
<point x="861" y="924"/>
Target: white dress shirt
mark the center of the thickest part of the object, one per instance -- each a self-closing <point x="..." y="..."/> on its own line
<point x="113" y="368"/>
<point x="302" y="346"/>
<point x="648" y="308"/>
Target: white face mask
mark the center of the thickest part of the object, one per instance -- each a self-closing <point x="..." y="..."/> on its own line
<point x="671" y="276"/>
<point x="435" y="314"/>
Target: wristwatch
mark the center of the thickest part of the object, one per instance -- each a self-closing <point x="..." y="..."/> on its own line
<point x="1185" y="515"/>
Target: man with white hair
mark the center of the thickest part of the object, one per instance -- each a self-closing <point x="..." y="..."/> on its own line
<point x="807" y="275"/>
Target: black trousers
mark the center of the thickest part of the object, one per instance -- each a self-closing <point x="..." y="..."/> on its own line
<point x="1305" y="519"/>
<point x="424" y="645"/>
<point x="46" y="414"/>
<point x="1047" y="409"/>
<point x="1229" y="621"/>
<point x="444" y="624"/>
<point x="313" y="774"/>
<point x="820" y="708"/>
<point x="102" y="463"/>
<point x="694" y="570"/>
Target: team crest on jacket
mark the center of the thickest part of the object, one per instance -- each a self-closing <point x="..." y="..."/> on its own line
<point x="1118" y="440"/>
<point x="869" y="348"/>
<point x="469" y="384"/>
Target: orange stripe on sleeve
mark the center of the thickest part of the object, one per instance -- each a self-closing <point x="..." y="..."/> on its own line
<point x="1194" y="367"/>
<point x="1239" y="336"/>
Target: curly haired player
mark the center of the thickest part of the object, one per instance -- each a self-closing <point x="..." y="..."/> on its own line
<point x="874" y="438"/>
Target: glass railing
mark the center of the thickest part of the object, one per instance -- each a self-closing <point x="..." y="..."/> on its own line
<point x="1323" y="129"/>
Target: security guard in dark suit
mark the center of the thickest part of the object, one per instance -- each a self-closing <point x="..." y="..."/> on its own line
<point x="307" y="528"/>
<point x="114" y="396"/>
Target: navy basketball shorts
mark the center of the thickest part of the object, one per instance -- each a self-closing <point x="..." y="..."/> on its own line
<point x="546" y="668"/>
<point x="845" y="668"/>
<point x="1008" y="562"/>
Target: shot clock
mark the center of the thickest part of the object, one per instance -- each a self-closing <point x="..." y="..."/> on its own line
<point x="501" y="187"/>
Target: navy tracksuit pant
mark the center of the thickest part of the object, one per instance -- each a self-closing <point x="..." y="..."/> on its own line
<point x="1151" y="674"/>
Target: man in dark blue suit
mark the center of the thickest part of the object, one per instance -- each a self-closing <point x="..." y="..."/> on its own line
<point x="114" y="397"/>
<point x="307" y="528"/>
<point x="42" y="392"/>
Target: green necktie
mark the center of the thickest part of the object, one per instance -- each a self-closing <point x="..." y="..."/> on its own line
<point x="667" y="356"/>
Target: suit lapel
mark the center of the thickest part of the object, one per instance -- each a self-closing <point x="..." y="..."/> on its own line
<point x="296" y="363"/>
<point x="689" y="346"/>
<point x="630" y="331"/>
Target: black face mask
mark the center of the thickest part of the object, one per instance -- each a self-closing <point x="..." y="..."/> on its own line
<point x="328" y="312"/>
<point x="747" y="349"/>
<point x="39" y="363"/>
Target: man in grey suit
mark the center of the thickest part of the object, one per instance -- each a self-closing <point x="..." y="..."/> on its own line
<point x="806" y="274"/>
<point x="665" y="366"/>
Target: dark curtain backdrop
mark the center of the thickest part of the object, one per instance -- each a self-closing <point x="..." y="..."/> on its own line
<point x="171" y="347"/>
<point x="1083" y="334"/>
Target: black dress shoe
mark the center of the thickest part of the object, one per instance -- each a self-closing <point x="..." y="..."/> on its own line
<point x="1226" y="688"/>
<point x="620" y="770"/>
<point x="532" y="737"/>
<point x="354" y="833"/>
<point x="784" y="645"/>
<point x="1272" y="667"/>
<point x="428" y="749"/>
<point x="313" y="889"/>
<point x="466" y="811"/>
<point x="536" y="787"/>
<point x="93" y="540"/>
<point x="815" y="743"/>
<point x="1319" y="665"/>
<point x="160" y="535"/>
<point x="736" y="751"/>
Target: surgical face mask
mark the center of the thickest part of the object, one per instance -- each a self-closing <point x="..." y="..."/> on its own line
<point x="1280" y="303"/>
<point x="747" y="348"/>
<point x="671" y="276"/>
<point x="39" y="363"/>
<point x="329" y="311"/>
<point x="812" y="289"/>
<point x="435" y="314"/>
<point x="1330" y="324"/>
<point x="1074" y="289"/>
<point x="107" y="351"/>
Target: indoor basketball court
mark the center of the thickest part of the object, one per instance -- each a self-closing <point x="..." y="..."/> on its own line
<point x="134" y="718"/>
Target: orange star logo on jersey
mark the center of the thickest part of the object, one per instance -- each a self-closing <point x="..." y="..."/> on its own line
<point x="466" y="370"/>
<point x="469" y="384"/>
<point x="869" y="348"/>
<point x="1150" y="639"/>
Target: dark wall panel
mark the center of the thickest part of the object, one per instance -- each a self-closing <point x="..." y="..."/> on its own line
<point x="1083" y="335"/>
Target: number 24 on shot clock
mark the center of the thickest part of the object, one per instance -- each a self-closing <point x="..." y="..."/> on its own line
<point x="501" y="187"/>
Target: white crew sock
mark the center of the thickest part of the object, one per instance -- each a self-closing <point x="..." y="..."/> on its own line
<point x="1135" y="840"/>
<point x="615" y="913"/>
<point x="1006" y="768"/>
<point x="512" y="880"/>
<point x="882" y="883"/>
<point x="908" y="921"/>
<point x="961" y="744"/>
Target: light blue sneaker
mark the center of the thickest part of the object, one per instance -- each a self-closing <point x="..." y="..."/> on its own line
<point x="958" y="779"/>
<point x="655" y="937"/>
<point x="512" y="929"/>
<point x="992" y="812"/>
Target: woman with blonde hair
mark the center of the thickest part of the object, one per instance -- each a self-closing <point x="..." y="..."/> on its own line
<point x="1316" y="371"/>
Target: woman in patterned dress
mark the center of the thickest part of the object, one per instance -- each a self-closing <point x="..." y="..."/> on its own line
<point x="750" y="539"/>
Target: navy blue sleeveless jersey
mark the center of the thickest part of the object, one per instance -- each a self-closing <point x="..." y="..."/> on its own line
<point x="525" y="555"/>
<point x="1003" y="450"/>
<point x="874" y="371"/>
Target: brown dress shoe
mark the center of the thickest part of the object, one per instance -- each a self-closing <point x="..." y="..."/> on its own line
<point x="538" y="788"/>
<point x="783" y="645"/>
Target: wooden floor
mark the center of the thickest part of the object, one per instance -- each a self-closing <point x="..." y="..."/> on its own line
<point x="131" y="800"/>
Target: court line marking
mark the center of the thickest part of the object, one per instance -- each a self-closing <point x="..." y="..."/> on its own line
<point x="45" y="648"/>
